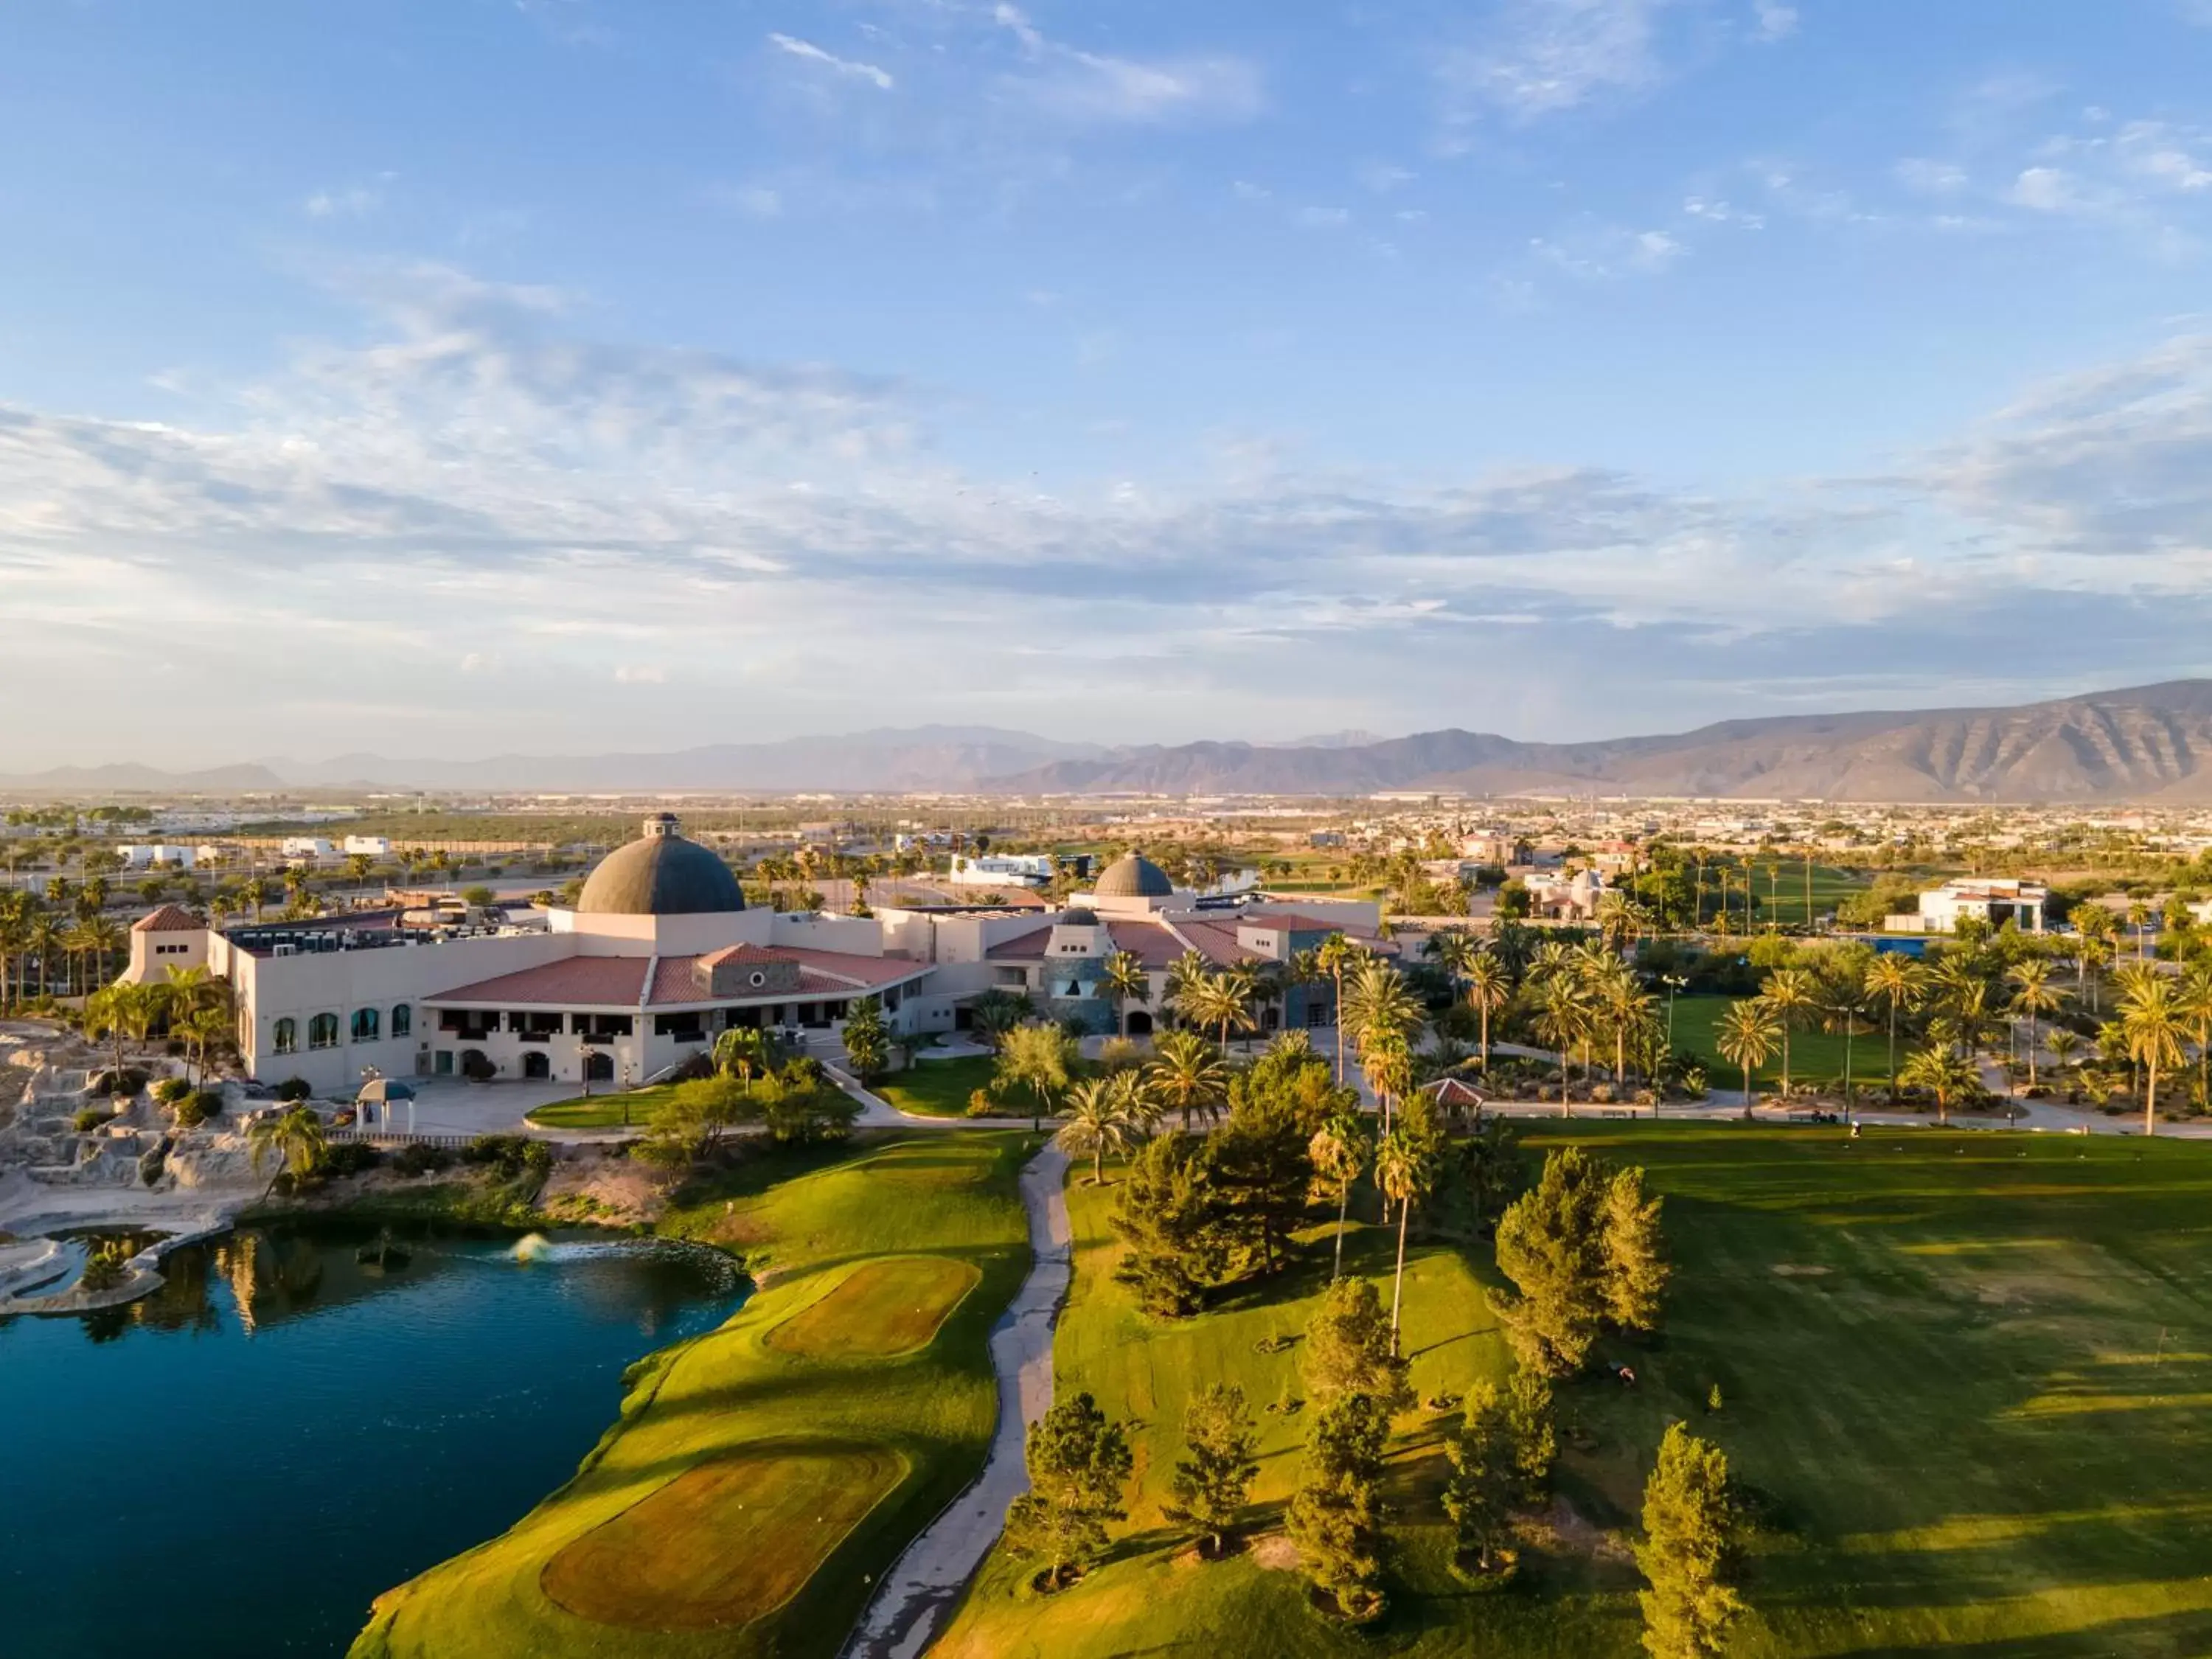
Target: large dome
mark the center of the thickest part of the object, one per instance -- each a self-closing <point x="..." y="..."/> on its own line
<point x="660" y="875"/>
<point x="1134" y="876"/>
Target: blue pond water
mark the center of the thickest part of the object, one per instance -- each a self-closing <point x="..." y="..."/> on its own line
<point x="235" y="1465"/>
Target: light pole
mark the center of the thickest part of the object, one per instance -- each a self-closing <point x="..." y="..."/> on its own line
<point x="1673" y="982"/>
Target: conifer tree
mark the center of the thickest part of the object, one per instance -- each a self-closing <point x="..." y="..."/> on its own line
<point x="1479" y="1497"/>
<point x="1210" y="1484"/>
<point x="1167" y="1216"/>
<point x="1079" y="1463"/>
<point x="1335" y="1517"/>
<point x="1635" y="1254"/>
<point x="1550" y="1244"/>
<point x="1689" y="1521"/>
<point x="1348" y="1348"/>
<point x="1533" y="1432"/>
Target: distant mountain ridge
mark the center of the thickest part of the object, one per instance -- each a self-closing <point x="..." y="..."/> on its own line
<point x="2151" y="744"/>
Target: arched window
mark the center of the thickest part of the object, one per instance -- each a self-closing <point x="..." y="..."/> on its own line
<point x="288" y="1036"/>
<point x="403" y="1020"/>
<point x="365" y="1025"/>
<point x="322" y="1031"/>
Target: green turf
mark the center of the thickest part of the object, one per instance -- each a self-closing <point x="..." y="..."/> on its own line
<point x="937" y="1088"/>
<point x="632" y="1108"/>
<point x="1965" y="1378"/>
<point x="732" y="1395"/>
<point x="1815" y="1056"/>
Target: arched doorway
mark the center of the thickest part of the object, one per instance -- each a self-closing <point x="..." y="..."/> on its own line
<point x="1140" y="1022"/>
<point x="537" y="1064"/>
<point x="599" y="1067"/>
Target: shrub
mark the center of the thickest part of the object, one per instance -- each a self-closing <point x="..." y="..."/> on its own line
<point x="171" y="1090"/>
<point x="193" y="1110"/>
<point x="511" y="1154"/>
<point x="151" y="1164"/>
<point x="89" y="1118"/>
<point x="294" y="1088"/>
<point x="476" y="1068"/>
<point x="128" y="1081"/>
<point x="103" y="1270"/>
<point x="345" y="1157"/>
<point x="417" y="1158"/>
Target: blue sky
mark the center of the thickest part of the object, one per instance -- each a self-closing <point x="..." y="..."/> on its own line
<point x="562" y="375"/>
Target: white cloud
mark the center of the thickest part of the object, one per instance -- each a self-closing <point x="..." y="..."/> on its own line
<point x="2047" y="190"/>
<point x="1930" y="178"/>
<point x="640" y="674"/>
<point x="1543" y="56"/>
<point x="755" y="201"/>
<point x="880" y="78"/>
<point x="1653" y="251"/>
<point x="1087" y="87"/>
<point x="1323" y="218"/>
<point x="1774" y="21"/>
<point x="355" y="201"/>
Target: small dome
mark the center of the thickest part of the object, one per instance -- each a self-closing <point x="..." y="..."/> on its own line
<point x="1135" y="876"/>
<point x="662" y="875"/>
<point x="1079" y="918"/>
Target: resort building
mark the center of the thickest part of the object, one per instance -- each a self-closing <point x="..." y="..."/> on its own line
<point x="660" y="956"/>
<point x="1990" y="900"/>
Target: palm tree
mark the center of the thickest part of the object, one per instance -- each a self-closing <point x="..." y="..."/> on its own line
<point x="1186" y="1075"/>
<point x="1942" y="1070"/>
<point x="1241" y="985"/>
<point x="1123" y="979"/>
<point x="1339" y="1151"/>
<point x="1403" y="1169"/>
<point x="1388" y="1066"/>
<point x="111" y="1012"/>
<point x="1099" y="1121"/>
<point x="2152" y="1019"/>
<point x="1562" y="1017"/>
<point x="294" y="1139"/>
<point x="1332" y="956"/>
<point x="2138" y="920"/>
<point x="1746" y="1037"/>
<point x="256" y="892"/>
<point x="742" y="1052"/>
<point x="1899" y="981"/>
<point x="1489" y="987"/>
<point x="2035" y="996"/>
<point x="1184" y="972"/>
<point x="206" y="1027"/>
<point x="2195" y="996"/>
<point x="1627" y="1007"/>
<point x="1454" y="949"/>
<point x="1379" y="1006"/>
<point x="1790" y="993"/>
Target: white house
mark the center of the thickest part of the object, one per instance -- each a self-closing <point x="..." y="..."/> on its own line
<point x="144" y="855"/>
<point x="306" y="847"/>
<point x="1001" y="870"/>
<point x="1990" y="899"/>
<point x="376" y="847"/>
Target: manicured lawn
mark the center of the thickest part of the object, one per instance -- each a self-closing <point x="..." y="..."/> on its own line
<point x="1815" y="1056"/>
<point x="1964" y="1380"/>
<point x="748" y="1494"/>
<point x="632" y="1108"/>
<point x="937" y="1088"/>
<point x="880" y="1308"/>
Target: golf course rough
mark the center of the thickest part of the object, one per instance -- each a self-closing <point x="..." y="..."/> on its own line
<point x="1965" y="1378"/>
<point x="750" y="1492"/>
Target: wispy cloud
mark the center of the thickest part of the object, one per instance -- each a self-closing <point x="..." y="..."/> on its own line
<point x="1773" y="20"/>
<point x="807" y="51"/>
<point x="1086" y="88"/>
<point x="1540" y="57"/>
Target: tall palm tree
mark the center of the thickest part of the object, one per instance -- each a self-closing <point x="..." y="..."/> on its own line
<point x="1562" y="1016"/>
<point x="1122" y="977"/>
<point x="1746" y="1037"/>
<point x="1899" y="981"/>
<point x="2152" y="1018"/>
<point x="1453" y="949"/>
<point x="1791" y="993"/>
<point x="1942" y="1070"/>
<point x="1403" y="1169"/>
<point x="294" y="1139"/>
<point x="258" y="892"/>
<point x="2034" y="995"/>
<point x="1244" y="985"/>
<point x="2193" y="993"/>
<point x="1099" y="1122"/>
<point x="1186" y="1074"/>
<point x="2138" y="920"/>
<point x="1489" y="987"/>
<point x="1333" y="955"/>
<point x="1339" y="1150"/>
<point x="1379" y="1005"/>
<point x="1387" y="1064"/>
<point x="1185" y="971"/>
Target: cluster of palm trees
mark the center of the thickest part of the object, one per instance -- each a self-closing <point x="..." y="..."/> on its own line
<point x="66" y="940"/>
<point x="1186" y="1077"/>
<point x="191" y="1004"/>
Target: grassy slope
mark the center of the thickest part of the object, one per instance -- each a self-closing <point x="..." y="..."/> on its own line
<point x="604" y="1111"/>
<point x="729" y="1390"/>
<point x="937" y="1088"/>
<point x="1814" y="1056"/>
<point x="1964" y="1376"/>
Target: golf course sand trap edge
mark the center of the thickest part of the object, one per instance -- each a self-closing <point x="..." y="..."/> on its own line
<point x="881" y="1308"/>
<point x="726" y="1543"/>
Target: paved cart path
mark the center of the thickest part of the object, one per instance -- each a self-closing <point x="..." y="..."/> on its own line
<point x="925" y="1581"/>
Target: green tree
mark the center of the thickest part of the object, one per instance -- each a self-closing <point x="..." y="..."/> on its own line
<point x="1532" y="1430"/>
<point x="1262" y="1169"/>
<point x="1339" y="1151"/>
<point x="1688" y="1544"/>
<point x="995" y="1013"/>
<point x="1335" y="1517"/>
<point x="1037" y="1058"/>
<point x="698" y="1114"/>
<point x="294" y="1138"/>
<point x="1746" y="1037"/>
<point x="2035" y="995"/>
<point x="1166" y="1216"/>
<point x="1348" y="1348"/>
<point x="743" y="1051"/>
<point x="1942" y="1070"/>
<point x="1100" y="1119"/>
<point x="1478" y="1496"/>
<point x="1792" y="994"/>
<point x="1079" y="1464"/>
<point x="1405" y="1168"/>
<point x="1214" y="1477"/>
<point x="867" y="1039"/>
<point x="2151" y="1019"/>
<point x="1551" y="1246"/>
<point x="1489" y="988"/>
<point x="1186" y="1075"/>
<point x="1635" y="1254"/>
<point x="1333" y="956"/>
<point x="1122" y="977"/>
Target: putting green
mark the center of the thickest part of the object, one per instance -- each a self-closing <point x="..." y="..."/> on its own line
<point x="724" y="1543"/>
<point x="878" y="1310"/>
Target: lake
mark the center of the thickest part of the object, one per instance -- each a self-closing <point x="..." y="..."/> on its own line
<point x="238" y="1464"/>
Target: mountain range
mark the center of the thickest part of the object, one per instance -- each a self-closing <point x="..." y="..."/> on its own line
<point x="2151" y="744"/>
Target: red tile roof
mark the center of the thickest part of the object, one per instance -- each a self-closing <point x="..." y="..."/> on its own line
<point x="580" y="981"/>
<point x="1148" y="941"/>
<point x="169" y="919"/>
<point x="1023" y="947"/>
<point x="821" y="974"/>
<point x="1216" y="943"/>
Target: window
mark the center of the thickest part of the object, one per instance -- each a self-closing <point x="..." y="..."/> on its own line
<point x="365" y="1025"/>
<point x="322" y="1031"/>
<point x="288" y="1036"/>
<point x="403" y="1020"/>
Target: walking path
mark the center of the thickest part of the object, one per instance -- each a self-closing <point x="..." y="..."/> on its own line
<point x="921" y="1586"/>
